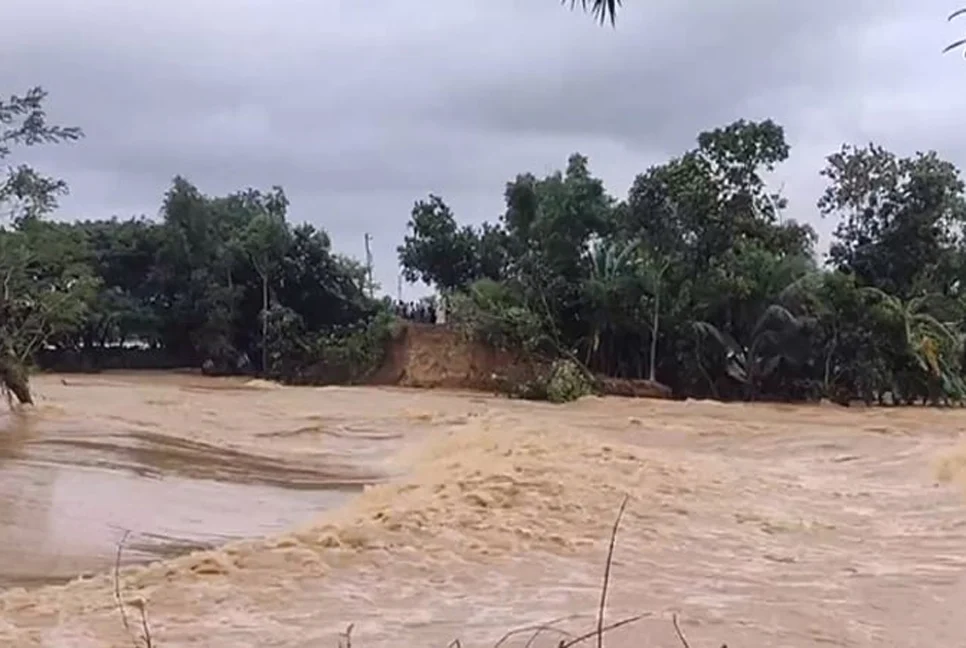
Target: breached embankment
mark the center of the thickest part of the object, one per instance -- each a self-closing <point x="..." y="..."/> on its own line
<point x="431" y="356"/>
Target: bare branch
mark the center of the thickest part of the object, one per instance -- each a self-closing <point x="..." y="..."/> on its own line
<point x="607" y="566"/>
<point x="538" y="628"/>
<point x="117" y="589"/>
<point x="677" y="629"/>
<point x="605" y="629"/>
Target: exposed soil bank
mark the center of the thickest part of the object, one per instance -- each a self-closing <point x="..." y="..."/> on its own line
<point x="425" y="355"/>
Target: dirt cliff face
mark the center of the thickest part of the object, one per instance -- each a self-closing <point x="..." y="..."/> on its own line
<point x="427" y="355"/>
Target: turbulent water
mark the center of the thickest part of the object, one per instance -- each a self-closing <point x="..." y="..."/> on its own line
<point x="267" y="516"/>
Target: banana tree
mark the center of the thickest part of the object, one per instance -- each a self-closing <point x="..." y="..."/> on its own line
<point x="933" y="345"/>
<point x="611" y="263"/>
<point x="769" y="344"/>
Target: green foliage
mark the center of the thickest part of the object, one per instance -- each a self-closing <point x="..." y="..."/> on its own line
<point x="25" y="193"/>
<point x="45" y="288"/>
<point x="695" y="279"/>
<point x="345" y="355"/>
<point x="493" y="313"/>
<point x="900" y="218"/>
<point x="566" y="382"/>
<point x="698" y="280"/>
<point x="221" y="282"/>
<point x="439" y="253"/>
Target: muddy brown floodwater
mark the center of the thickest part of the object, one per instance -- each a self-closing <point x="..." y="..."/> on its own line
<point x="269" y="516"/>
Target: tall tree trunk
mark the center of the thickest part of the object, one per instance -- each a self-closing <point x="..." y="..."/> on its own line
<point x="264" y="324"/>
<point x="655" y="324"/>
<point x="14" y="377"/>
<point x="827" y="378"/>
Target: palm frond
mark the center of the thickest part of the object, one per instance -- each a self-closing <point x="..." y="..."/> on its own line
<point x="934" y="325"/>
<point x="727" y="342"/>
<point x="955" y="45"/>
<point x="776" y="314"/>
<point x="877" y="293"/>
<point x="799" y="289"/>
<point x="602" y="10"/>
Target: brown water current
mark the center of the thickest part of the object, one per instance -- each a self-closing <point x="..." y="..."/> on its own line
<point x="269" y="516"/>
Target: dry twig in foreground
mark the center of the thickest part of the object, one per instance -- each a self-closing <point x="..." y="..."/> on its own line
<point x="345" y="638"/>
<point x="145" y="629"/>
<point x="601" y="629"/>
<point x="677" y="629"/>
<point x="607" y="566"/>
<point x="549" y="626"/>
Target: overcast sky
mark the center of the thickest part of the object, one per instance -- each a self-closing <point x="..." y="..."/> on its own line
<point x="360" y="107"/>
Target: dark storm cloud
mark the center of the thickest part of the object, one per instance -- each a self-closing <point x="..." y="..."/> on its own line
<point x="359" y="108"/>
<point x="669" y="69"/>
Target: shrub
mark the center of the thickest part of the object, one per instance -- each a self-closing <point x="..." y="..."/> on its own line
<point x="567" y="382"/>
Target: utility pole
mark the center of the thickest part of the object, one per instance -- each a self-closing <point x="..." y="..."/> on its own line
<point x="399" y="287"/>
<point x="369" y="263"/>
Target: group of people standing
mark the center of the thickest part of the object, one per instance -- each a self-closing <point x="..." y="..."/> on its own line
<point x="422" y="312"/>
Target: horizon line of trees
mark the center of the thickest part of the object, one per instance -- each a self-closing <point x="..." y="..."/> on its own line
<point x="222" y="282"/>
<point x="693" y="280"/>
<point x="696" y="280"/>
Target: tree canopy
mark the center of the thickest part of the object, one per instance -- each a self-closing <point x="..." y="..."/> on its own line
<point x="695" y="278"/>
<point x="699" y="280"/>
<point x="220" y="281"/>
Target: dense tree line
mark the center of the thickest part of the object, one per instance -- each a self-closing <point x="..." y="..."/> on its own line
<point x="696" y="279"/>
<point x="226" y="283"/>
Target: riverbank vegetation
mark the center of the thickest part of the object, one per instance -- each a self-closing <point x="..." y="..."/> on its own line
<point x="226" y="283"/>
<point x="697" y="279"/>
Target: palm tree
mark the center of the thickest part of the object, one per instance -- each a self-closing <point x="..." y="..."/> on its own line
<point x="927" y="340"/>
<point x="610" y="263"/>
<point x="603" y="10"/>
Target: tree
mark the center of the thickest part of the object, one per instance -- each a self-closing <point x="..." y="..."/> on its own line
<point x="265" y="241"/>
<point x="45" y="294"/>
<point x="25" y="193"/>
<point x="32" y="308"/>
<point x="235" y="280"/>
<point x="324" y="288"/>
<point x="934" y="345"/>
<point x="901" y="219"/>
<point x="123" y="255"/>
<point x="770" y="343"/>
<point x="653" y="271"/>
<point x="612" y="265"/>
<point x="436" y="251"/>
<point x="695" y="279"/>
